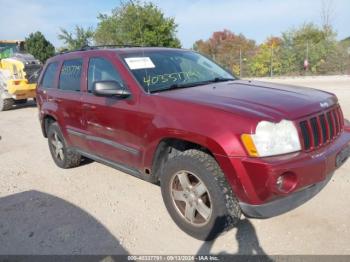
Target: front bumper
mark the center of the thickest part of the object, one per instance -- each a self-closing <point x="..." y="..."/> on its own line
<point x="285" y="204"/>
<point x="258" y="176"/>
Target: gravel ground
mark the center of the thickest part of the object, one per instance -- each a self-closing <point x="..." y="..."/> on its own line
<point x="94" y="209"/>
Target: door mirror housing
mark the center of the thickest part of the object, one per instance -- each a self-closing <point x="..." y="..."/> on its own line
<point x="110" y="88"/>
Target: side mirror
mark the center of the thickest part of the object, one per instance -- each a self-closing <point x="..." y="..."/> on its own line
<point x="110" y="88"/>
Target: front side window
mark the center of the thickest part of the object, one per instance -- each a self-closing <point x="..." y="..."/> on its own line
<point x="70" y="75"/>
<point x="49" y="76"/>
<point x="163" y="70"/>
<point x="101" y="69"/>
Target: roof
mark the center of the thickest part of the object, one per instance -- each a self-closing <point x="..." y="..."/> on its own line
<point x="118" y="49"/>
<point x="145" y="49"/>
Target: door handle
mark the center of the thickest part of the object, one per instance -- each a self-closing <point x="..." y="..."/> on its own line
<point x="56" y="100"/>
<point x="88" y="106"/>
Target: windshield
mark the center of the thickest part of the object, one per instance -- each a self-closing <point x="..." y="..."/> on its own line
<point x="167" y="69"/>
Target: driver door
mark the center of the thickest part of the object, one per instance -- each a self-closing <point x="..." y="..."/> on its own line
<point x="111" y="122"/>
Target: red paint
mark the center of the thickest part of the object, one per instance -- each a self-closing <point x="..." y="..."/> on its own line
<point x="212" y="117"/>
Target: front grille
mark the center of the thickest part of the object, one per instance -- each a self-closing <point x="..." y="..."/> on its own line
<point x="321" y="129"/>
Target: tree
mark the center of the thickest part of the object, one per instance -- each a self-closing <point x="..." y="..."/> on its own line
<point x="307" y="42"/>
<point x="78" y="39"/>
<point x="283" y="55"/>
<point x="137" y="24"/>
<point x="228" y="49"/>
<point x="339" y="60"/>
<point x="37" y="45"/>
<point x="267" y="60"/>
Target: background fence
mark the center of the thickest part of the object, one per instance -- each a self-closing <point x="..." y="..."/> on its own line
<point x="270" y="59"/>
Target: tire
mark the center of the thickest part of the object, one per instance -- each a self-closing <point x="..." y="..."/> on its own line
<point x="63" y="156"/>
<point x="221" y="211"/>
<point x="21" y="101"/>
<point x="6" y="104"/>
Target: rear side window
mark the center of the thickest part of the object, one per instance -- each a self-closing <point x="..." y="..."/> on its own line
<point x="101" y="69"/>
<point x="49" y="76"/>
<point x="70" y="75"/>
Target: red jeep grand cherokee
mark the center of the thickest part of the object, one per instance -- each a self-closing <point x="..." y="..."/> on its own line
<point x="218" y="146"/>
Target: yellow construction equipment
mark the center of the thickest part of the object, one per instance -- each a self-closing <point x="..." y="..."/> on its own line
<point x="18" y="74"/>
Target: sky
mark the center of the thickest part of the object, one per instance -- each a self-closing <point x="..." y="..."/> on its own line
<point x="196" y="19"/>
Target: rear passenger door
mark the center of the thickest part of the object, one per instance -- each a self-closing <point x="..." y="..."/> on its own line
<point x="111" y="122"/>
<point x="68" y="99"/>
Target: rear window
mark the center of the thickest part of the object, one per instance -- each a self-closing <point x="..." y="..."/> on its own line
<point x="49" y="76"/>
<point x="70" y="75"/>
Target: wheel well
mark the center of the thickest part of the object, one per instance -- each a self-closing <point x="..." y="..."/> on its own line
<point x="168" y="148"/>
<point x="48" y="120"/>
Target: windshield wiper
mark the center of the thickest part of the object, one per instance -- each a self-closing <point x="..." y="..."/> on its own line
<point x="179" y="86"/>
<point x="221" y="79"/>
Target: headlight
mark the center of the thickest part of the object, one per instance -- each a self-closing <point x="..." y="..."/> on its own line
<point x="272" y="139"/>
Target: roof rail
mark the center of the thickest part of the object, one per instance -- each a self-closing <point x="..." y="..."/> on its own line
<point x="95" y="47"/>
<point x="87" y="47"/>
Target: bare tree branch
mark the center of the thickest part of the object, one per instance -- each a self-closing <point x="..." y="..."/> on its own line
<point x="327" y="13"/>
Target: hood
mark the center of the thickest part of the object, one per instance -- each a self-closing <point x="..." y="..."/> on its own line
<point x="268" y="101"/>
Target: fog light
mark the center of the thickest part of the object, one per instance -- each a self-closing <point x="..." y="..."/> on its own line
<point x="279" y="182"/>
<point x="286" y="182"/>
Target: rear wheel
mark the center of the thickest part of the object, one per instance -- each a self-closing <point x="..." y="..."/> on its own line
<point x="6" y="104"/>
<point x="63" y="156"/>
<point x="197" y="195"/>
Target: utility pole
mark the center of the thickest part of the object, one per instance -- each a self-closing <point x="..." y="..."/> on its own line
<point x="271" y="61"/>
<point x="240" y="62"/>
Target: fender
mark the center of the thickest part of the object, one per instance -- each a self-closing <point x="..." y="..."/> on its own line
<point x="204" y="141"/>
<point x="48" y="109"/>
<point x="213" y="146"/>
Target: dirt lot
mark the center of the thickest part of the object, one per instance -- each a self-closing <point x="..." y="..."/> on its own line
<point x="95" y="209"/>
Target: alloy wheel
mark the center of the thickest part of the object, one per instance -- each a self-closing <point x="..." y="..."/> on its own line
<point x="57" y="145"/>
<point x="191" y="198"/>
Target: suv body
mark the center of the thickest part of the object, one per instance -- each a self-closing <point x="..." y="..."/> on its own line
<point x="196" y="130"/>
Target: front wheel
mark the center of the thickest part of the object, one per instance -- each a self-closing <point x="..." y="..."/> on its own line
<point x="197" y="195"/>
